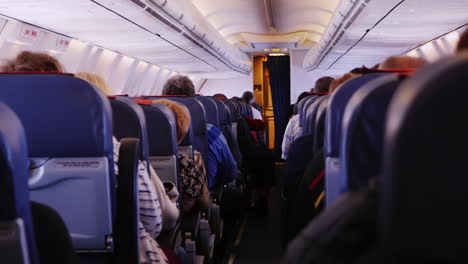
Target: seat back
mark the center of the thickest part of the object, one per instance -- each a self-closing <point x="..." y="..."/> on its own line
<point x="333" y="125"/>
<point x="303" y="110"/>
<point x="129" y="122"/>
<point x="311" y="116"/>
<point x="235" y="115"/>
<point x="319" y="133"/>
<point x="17" y="243"/>
<point x="423" y="183"/>
<point x="162" y="139"/>
<point x="363" y="128"/>
<point x="211" y="110"/>
<point x="223" y="117"/>
<point x="68" y="123"/>
<point x="198" y="124"/>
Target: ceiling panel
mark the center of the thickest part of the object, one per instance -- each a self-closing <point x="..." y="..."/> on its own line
<point x="235" y="18"/>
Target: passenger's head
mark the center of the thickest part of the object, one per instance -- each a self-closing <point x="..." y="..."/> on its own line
<point x="248" y="97"/>
<point x="338" y="81"/>
<point x="220" y="96"/>
<point x="302" y="96"/>
<point x="322" y="85"/>
<point x="96" y="80"/>
<point x="182" y="116"/>
<point x="402" y="62"/>
<point x="463" y="42"/>
<point x="33" y="61"/>
<point x="179" y="85"/>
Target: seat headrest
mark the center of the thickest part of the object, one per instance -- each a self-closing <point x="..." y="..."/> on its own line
<point x="233" y="108"/>
<point x="14" y="164"/>
<point x="363" y="129"/>
<point x="423" y="185"/>
<point x="222" y="113"/>
<point x="302" y="108"/>
<point x="320" y="124"/>
<point x="130" y="122"/>
<point x="211" y="110"/>
<point x="311" y="115"/>
<point x="335" y="110"/>
<point x="162" y="133"/>
<point x="63" y="116"/>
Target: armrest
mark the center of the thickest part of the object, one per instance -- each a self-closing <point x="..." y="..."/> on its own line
<point x="126" y="227"/>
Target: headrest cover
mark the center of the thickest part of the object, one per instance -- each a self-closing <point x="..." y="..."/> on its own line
<point x="423" y="186"/>
<point x="63" y="116"/>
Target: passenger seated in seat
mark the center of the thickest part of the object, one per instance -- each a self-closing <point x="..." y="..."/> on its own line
<point x="463" y="42"/>
<point x="195" y="194"/>
<point x="33" y="61"/>
<point x="322" y="85"/>
<point x="249" y="98"/>
<point x="221" y="164"/>
<point x="156" y="209"/>
<point x="402" y="62"/>
<point x="293" y="131"/>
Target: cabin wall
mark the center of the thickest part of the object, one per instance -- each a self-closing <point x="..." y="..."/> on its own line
<point x="124" y="75"/>
<point x="228" y="87"/>
<point x="301" y="80"/>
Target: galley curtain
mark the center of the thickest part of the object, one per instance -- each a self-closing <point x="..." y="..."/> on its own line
<point x="280" y="83"/>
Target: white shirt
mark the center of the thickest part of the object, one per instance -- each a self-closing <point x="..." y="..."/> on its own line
<point x="256" y="114"/>
<point x="293" y="131"/>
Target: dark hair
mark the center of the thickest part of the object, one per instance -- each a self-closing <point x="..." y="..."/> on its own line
<point x="302" y="96"/>
<point x="179" y="85"/>
<point x="322" y="85"/>
<point x="33" y="61"/>
<point x="220" y="96"/>
<point x="235" y="98"/>
<point x="247" y="96"/>
<point x="463" y="42"/>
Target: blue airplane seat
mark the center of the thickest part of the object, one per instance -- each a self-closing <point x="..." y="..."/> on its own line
<point x="319" y="134"/>
<point x="363" y="129"/>
<point x="68" y="124"/>
<point x="130" y="122"/>
<point x="311" y="116"/>
<point x="233" y="108"/>
<point x="422" y="190"/>
<point x="223" y="116"/>
<point x="198" y="126"/>
<point x="333" y="124"/>
<point x="240" y="108"/>
<point x="302" y="110"/>
<point x="211" y="110"/>
<point x="17" y="242"/>
<point x="162" y="141"/>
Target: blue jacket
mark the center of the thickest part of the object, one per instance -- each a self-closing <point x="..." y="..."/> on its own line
<point x="221" y="165"/>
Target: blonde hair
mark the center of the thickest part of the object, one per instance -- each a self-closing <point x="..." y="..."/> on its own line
<point x="95" y="80"/>
<point x="182" y="116"/>
<point x="402" y="62"/>
<point x="33" y="61"/>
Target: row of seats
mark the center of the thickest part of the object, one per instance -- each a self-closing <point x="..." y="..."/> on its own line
<point x="394" y="150"/>
<point x="69" y="127"/>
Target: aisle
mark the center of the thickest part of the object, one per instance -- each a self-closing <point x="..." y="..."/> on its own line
<point x="259" y="238"/>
